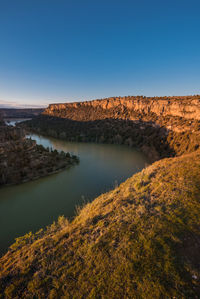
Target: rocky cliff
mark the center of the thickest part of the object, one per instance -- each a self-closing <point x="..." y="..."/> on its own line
<point x="123" y="107"/>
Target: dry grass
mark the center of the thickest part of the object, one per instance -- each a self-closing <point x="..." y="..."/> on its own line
<point x="140" y="240"/>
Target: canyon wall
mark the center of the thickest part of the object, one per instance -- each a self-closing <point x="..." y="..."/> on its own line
<point x="160" y="127"/>
<point x="184" y="107"/>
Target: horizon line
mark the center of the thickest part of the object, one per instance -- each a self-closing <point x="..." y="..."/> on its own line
<point x="15" y="105"/>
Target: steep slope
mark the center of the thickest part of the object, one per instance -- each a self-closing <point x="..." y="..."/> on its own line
<point x="141" y="240"/>
<point x="187" y="107"/>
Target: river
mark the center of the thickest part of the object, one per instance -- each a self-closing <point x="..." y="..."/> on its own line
<point x="34" y="205"/>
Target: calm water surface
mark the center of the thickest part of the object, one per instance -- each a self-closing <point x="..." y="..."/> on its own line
<point x="14" y="121"/>
<point x="33" y="205"/>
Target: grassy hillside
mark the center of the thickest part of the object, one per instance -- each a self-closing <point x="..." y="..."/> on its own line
<point x="141" y="240"/>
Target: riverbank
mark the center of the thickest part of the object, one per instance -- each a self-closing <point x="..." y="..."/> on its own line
<point x="22" y="160"/>
<point x="154" y="140"/>
<point x="102" y="167"/>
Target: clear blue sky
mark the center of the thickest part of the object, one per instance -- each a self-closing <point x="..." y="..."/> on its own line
<point x="66" y="50"/>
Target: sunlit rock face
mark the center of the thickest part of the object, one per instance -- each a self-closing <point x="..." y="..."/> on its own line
<point x="122" y="107"/>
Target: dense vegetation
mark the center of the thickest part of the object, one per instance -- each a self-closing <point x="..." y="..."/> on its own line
<point x="22" y="160"/>
<point x="140" y="240"/>
<point x="153" y="139"/>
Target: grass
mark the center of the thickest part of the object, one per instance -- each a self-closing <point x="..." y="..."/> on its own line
<point x="141" y="240"/>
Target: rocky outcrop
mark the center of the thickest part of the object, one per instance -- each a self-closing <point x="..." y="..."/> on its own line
<point x="185" y="107"/>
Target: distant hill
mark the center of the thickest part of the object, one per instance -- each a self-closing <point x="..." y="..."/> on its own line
<point x="20" y="113"/>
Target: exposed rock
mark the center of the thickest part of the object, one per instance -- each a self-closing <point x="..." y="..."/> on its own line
<point x="186" y="107"/>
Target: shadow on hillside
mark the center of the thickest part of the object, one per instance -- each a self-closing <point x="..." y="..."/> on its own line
<point x="152" y="139"/>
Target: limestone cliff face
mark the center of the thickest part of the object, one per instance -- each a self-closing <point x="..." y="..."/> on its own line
<point x="185" y="107"/>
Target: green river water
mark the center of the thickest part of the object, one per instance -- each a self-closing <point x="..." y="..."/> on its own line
<point x="34" y="205"/>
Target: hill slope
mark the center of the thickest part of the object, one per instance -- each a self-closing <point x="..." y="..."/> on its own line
<point x="141" y="240"/>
